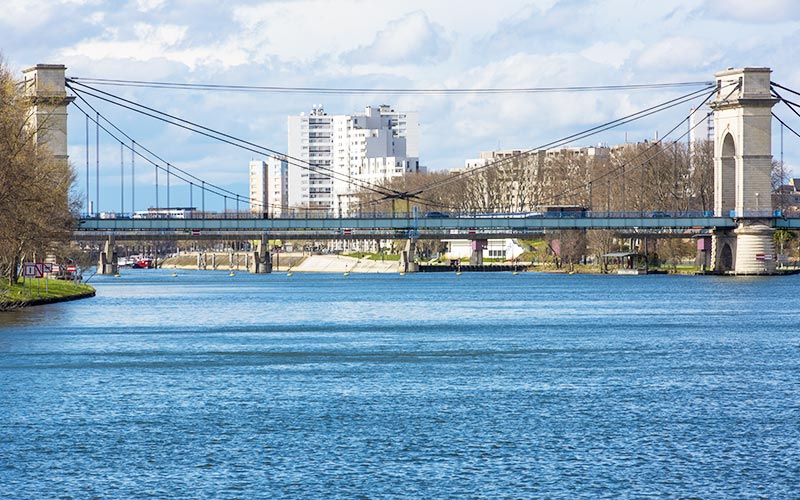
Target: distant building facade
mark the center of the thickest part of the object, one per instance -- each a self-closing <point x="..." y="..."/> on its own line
<point x="269" y="187"/>
<point x="345" y="152"/>
<point x="701" y="129"/>
<point x="701" y="125"/>
<point x="519" y="179"/>
<point x="787" y="197"/>
<point x="508" y="155"/>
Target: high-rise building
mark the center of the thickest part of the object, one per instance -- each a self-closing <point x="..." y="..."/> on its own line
<point x="269" y="186"/>
<point x="701" y="126"/>
<point x="346" y="152"/>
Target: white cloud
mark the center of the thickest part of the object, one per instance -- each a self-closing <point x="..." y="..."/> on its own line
<point x="750" y="11"/>
<point x="306" y="30"/>
<point x="97" y="18"/>
<point x="679" y="53"/>
<point x="166" y="35"/>
<point x="152" y="42"/>
<point x="411" y="39"/>
<point x="414" y="43"/>
<point x="613" y="54"/>
<point x="26" y="13"/>
<point x="148" y="5"/>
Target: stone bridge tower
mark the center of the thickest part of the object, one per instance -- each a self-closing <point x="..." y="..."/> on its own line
<point x="742" y="163"/>
<point x="45" y="85"/>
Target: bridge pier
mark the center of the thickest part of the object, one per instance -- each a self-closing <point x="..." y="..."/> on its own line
<point x="747" y="250"/>
<point x="407" y="264"/>
<point x="476" y="257"/>
<point x="107" y="262"/>
<point x="262" y="258"/>
<point x="703" y="256"/>
<point x="201" y="261"/>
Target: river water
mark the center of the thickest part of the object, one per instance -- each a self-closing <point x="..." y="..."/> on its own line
<point x="418" y="386"/>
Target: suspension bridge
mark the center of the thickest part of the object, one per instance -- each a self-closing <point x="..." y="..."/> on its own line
<point x="739" y="229"/>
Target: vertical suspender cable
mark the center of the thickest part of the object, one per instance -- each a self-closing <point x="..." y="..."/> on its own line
<point x="133" y="177"/>
<point x="121" y="178"/>
<point x="675" y="176"/>
<point x="783" y="174"/>
<point x="168" y="205"/>
<point x="191" y="185"/>
<point x="156" y="167"/>
<point x="97" y="164"/>
<point x="88" y="210"/>
<point x="203" y="194"/>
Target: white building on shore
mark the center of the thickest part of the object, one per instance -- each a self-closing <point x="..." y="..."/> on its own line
<point x="505" y="249"/>
<point x="345" y="152"/>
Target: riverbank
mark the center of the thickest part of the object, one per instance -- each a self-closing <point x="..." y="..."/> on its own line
<point x="36" y="293"/>
<point x="287" y="261"/>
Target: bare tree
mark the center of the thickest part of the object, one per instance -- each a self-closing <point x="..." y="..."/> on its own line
<point x="701" y="176"/>
<point x="35" y="205"/>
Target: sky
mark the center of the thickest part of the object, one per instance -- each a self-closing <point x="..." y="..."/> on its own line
<point x="379" y="44"/>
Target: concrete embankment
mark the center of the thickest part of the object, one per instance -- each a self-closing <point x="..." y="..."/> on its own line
<point x="341" y="264"/>
<point x="295" y="262"/>
<point x="218" y="261"/>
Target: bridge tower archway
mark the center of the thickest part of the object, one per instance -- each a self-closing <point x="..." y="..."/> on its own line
<point x="726" y="258"/>
<point x="742" y="162"/>
<point x="727" y="178"/>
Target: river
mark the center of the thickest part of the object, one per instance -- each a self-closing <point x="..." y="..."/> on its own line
<point x="483" y="385"/>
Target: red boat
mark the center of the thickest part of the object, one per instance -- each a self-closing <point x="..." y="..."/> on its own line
<point x="143" y="263"/>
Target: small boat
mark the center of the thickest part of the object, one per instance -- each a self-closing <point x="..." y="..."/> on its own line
<point x="143" y="263"/>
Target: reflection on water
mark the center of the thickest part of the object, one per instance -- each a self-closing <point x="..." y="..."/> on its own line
<point x="479" y="385"/>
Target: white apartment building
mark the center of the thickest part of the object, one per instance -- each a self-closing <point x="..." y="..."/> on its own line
<point x="345" y="152"/>
<point x="701" y="128"/>
<point x="491" y="157"/>
<point x="269" y="187"/>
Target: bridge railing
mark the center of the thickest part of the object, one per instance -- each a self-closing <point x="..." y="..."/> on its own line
<point x="303" y="214"/>
<point x="767" y="214"/>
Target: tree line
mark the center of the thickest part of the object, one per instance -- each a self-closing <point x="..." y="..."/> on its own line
<point x="640" y="177"/>
<point x="648" y="176"/>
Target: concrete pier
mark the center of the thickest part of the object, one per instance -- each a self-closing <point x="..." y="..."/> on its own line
<point x="407" y="264"/>
<point x="476" y="257"/>
<point x="261" y="262"/>
<point x="107" y="262"/>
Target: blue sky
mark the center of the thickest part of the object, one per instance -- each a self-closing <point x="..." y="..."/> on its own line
<point x="383" y="44"/>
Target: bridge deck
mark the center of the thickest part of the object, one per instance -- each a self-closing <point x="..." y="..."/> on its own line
<point x="397" y="227"/>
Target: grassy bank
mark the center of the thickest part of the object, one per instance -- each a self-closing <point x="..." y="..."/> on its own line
<point x="34" y="292"/>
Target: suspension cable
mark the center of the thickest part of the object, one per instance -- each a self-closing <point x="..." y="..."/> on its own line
<point x="234" y="141"/>
<point x="621" y="167"/>
<point x="213" y="189"/>
<point x="580" y="135"/>
<point x="388" y="91"/>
